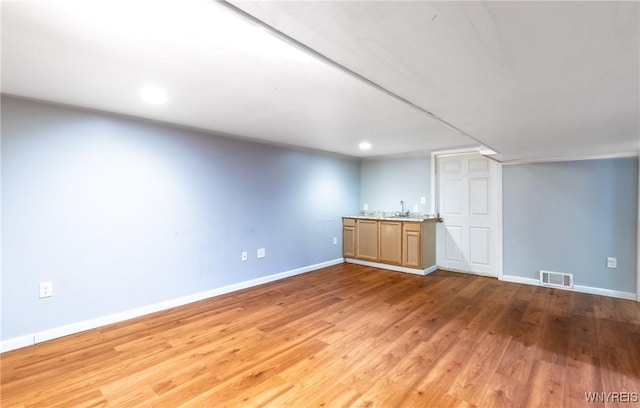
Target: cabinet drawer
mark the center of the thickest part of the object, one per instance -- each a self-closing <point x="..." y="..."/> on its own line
<point x="349" y="222"/>
<point x="412" y="226"/>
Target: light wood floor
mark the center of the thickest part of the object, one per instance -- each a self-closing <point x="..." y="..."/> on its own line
<point x="343" y="336"/>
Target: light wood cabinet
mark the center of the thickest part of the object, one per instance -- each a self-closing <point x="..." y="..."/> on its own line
<point x="349" y="237"/>
<point x="412" y="245"/>
<point x="418" y="244"/>
<point x="390" y="242"/>
<point x="409" y="244"/>
<point x="367" y="240"/>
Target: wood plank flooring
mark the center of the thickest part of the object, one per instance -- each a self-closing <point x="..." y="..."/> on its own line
<point x="347" y="336"/>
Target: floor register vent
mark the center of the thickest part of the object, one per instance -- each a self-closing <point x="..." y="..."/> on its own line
<point x="557" y="279"/>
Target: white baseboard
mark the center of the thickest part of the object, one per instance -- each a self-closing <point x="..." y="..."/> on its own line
<point x="421" y="272"/>
<point x="576" y="288"/>
<point x="31" y="339"/>
<point x="430" y="269"/>
<point x="16" y="343"/>
<point x="605" y="292"/>
<point x="28" y="340"/>
<point x="468" y="272"/>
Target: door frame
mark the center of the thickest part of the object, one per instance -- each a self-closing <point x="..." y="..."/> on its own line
<point x="435" y="179"/>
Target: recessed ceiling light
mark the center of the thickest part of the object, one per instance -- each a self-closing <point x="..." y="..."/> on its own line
<point x="154" y="95"/>
<point x="364" y="145"/>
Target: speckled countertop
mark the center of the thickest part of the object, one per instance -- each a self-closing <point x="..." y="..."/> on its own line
<point x="392" y="216"/>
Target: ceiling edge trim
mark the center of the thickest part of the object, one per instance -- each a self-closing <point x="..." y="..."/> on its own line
<point x="619" y="155"/>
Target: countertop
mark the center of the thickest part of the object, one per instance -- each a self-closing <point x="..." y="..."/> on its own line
<point x="416" y="217"/>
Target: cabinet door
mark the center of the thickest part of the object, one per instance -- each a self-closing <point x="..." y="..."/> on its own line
<point x="367" y="240"/>
<point x="412" y="245"/>
<point x="391" y="242"/>
<point x="349" y="238"/>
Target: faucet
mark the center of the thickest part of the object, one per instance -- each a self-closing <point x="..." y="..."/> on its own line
<point x="401" y="207"/>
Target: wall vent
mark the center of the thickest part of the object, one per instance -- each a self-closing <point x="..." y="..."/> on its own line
<point x="557" y="279"/>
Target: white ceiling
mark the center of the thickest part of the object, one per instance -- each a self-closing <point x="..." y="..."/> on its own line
<point x="532" y="80"/>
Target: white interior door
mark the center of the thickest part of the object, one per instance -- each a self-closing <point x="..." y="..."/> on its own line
<point x="469" y="204"/>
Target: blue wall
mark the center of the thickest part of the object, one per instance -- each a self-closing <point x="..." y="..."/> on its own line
<point x="564" y="217"/>
<point x="569" y="217"/>
<point x="121" y="213"/>
<point x="386" y="181"/>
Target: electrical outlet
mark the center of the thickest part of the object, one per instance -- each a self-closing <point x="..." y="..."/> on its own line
<point x="365" y="207"/>
<point x="335" y="240"/>
<point x="244" y="256"/>
<point x="612" y="262"/>
<point x="415" y="208"/>
<point x="262" y="253"/>
<point x="423" y="200"/>
<point x="46" y="289"/>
